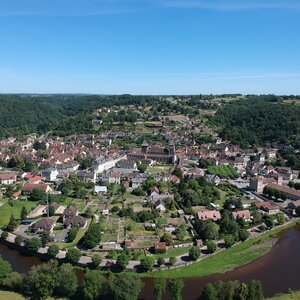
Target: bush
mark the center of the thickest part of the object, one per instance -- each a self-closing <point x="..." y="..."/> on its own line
<point x="4" y="235"/>
<point x="194" y="253"/>
<point x="73" y="255"/>
<point x="34" y="244"/>
<point x="229" y="241"/>
<point x="173" y="260"/>
<point x="243" y="235"/>
<point x="53" y="250"/>
<point x="211" y="246"/>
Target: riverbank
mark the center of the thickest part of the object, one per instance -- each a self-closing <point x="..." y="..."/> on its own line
<point x="226" y="260"/>
<point x="287" y="296"/>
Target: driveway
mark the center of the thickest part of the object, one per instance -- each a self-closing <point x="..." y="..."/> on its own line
<point x="61" y="237"/>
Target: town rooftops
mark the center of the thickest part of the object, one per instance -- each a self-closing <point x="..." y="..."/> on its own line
<point x="75" y="221"/>
<point x="209" y="215"/>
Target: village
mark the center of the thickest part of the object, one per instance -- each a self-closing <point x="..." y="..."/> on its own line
<point x="159" y="196"/>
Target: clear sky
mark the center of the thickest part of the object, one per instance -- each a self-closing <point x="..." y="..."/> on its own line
<point x="150" y="46"/>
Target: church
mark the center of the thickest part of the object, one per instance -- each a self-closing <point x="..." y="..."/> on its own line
<point x="159" y="154"/>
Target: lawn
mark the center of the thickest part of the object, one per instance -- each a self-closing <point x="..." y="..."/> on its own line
<point x="158" y="169"/>
<point x="6" y="210"/>
<point x="4" y="295"/>
<point x="174" y="252"/>
<point x="221" y="262"/>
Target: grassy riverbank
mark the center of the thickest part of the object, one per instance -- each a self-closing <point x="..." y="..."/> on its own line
<point x="287" y="296"/>
<point x="226" y="260"/>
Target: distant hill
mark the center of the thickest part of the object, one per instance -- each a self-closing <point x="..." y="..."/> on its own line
<point x="258" y="120"/>
<point x="20" y="114"/>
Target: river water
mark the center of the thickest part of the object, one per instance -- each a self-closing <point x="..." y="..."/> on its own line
<point x="278" y="270"/>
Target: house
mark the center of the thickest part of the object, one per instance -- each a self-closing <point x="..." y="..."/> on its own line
<point x="43" y="225"/>
<point x="159" y="205"/>
<point x="213" y="215"/>
<point x="268" y="207"/>
<point x="160" y="246"/>
<point x="100" y="189"/>
<point x="50" y="174"/>
<point x="8" y="178"/>
<point x="35" y="179"/>
<point x="136" y="182"/>
<point x="174" y="179"/>
<point x="114" y="178"/>
<point x="16" y="195"/>
<point x="294" y="204"/>
<point x="70" y="212"/>
<point x="214" y="179"/>
<point x="77" y="221"/>
<point x="29" y="187"/>
<point x="244" y="214"/>
<point x="127" y="164"/>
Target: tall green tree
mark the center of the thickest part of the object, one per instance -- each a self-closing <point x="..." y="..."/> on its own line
<point x="175" y="287"/>
<point x="159" y="288"/>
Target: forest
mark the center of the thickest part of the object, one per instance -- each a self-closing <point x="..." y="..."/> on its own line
<point x="258" y="120"/>
<point x="61" y="114"/>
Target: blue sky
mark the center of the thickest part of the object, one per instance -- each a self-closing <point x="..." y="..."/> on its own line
<point x="150" y="46"/>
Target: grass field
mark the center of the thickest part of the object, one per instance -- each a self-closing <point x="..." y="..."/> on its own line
<point x="174" y="252"/>
<point x="226" y="260"/>
<point x="158" y="169"/>
<point x="6" y="210"/>
<point x="287" y="296"/>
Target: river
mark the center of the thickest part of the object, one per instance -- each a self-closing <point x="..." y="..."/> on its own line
<point x="278" y="270"/>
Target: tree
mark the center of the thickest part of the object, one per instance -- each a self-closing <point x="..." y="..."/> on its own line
<point x="172" y="260"/>
<point x="30" y="166"/>
<point x="227" y="224"/>
<point x="175" y="287"/>
<point x="34" y="244"/>
<point x="16" y="162"/>
<point x="180" y="232"/>
<point x="207" y="230"/>
<point x="5" y="269"/>
<point x="229" y="241"/>
<point x="92" y="237"/>
<point x="243" y="235"/>
<point x="142" y="168"/>
<point x="255" y="290"/>
<point x="72" y="234"/>
<point x="159" y="288"/>
<point x="66" y="281"/>
<point x="24" y="213"/>
<point x="147" y="263"/>
<point x="42" y="280"/>
<point x="93" y="283"/>
<point x="167" y="238"/>
<point x="211" y="246"/>
<point x="96" y="259"/>
<point x="37" y="195"/>
<point x="12" y="225"/>
<point x="4" y="235"/>
<point x="268" y="220"/>
<point x="178" y="172"/>
<point x="122" y="261"/>
<point x="53" y="250"/>
<point x="19" y="240"/>
<point x="45" y="238"/>
<point x="243" y="292"/>
<point x="297" y="211"/>
<point x="13" y="282"/>
<point x="194" y="253"/>
<point x="51" y="210"/>
<point x="73" y="255"/>
<point x="160" y="260"/>
<point x="126" y="287"/>
<point x="280" y="218"/>
<point x="209" y="293"/>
